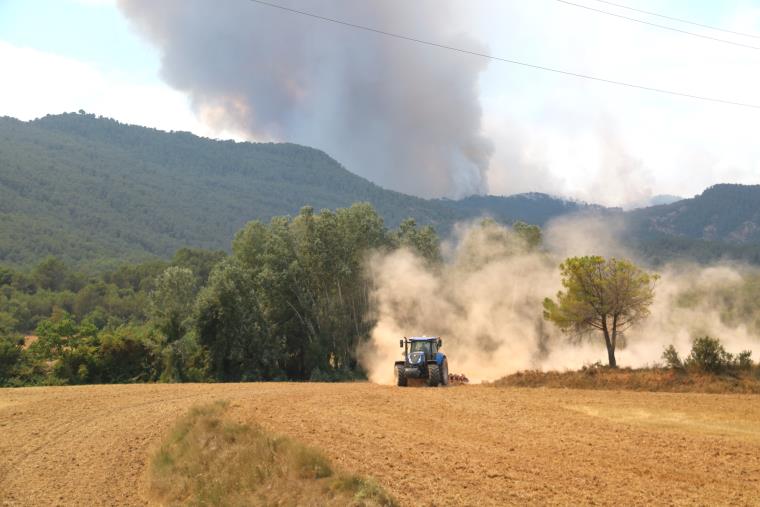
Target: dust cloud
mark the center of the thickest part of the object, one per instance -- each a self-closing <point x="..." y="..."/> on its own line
<point x="485" y="301"/>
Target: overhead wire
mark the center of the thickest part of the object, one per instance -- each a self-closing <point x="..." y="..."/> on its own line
<point x="664" y="27"/>
<point x="506" y="60"/>
<point x="680" y="20"/>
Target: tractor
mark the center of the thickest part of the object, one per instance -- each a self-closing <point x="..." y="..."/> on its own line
<point x="422" y="360"/>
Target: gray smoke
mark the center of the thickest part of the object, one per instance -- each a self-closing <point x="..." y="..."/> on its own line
<point x="404" y="115"/>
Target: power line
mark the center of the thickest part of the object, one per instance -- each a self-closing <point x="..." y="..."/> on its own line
<point x="694" y="34"/>
<point x="506" y="60"/>
<point x="680" y="20"/>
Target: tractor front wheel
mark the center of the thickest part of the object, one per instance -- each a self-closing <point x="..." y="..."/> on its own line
<point x="400" y="376"/>
<point x="434" y="375"/>
<point x="445" y="372"/>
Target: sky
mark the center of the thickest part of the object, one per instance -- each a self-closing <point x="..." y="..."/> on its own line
<point x="548" y="133"/>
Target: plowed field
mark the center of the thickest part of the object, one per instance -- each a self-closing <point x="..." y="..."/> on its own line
<point x="457" y="446"/>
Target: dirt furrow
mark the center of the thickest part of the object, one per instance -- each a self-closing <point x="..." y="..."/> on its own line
<point x="459" y="446"/>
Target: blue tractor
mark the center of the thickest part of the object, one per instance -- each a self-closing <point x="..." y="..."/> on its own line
<point x="422" y="360"/>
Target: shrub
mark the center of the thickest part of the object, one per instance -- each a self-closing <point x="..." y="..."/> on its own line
<point x="671" y="358"/>
<point x="708" y="355"/>
<point x="184" y="360"/>
<point x="11" y="355"/>
<point x="744" y="360"/>
<point x="127" y="354"/>
<point x="335" y="375"/>
<point x="78" y="365"/>
<point x="318" y="375"/>
<point x="593" y="368"/>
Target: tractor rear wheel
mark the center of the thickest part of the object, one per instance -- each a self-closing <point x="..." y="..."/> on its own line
<point x="400" y="376"/>
<point x="445" y="372"/>
<point x="434" y="375"/>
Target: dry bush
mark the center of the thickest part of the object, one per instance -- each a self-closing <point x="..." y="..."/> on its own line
<point x="645" y="379"/>
<point x="709" y="368"/>
<point x="210" y="460"/>
<point x="671" y="358"/>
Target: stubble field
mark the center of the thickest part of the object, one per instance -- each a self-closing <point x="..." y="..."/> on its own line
<point x="470" y="445"/>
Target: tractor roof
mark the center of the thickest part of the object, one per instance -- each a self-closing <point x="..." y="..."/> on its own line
<point x="423" y="338"/>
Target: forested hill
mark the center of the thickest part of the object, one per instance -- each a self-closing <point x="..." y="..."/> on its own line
<point x="92" y="191"/>
<point x="86" y="189"/>
<point x="729" y="213"/>
<point x="721" y="223"/>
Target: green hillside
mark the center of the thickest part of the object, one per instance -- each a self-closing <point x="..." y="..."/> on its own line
<point x="91" y="190"/>
<point x="84" y="188"/>
<point x="724" y="212"/>
<point x="94" y="192"/>
<point x="534" y="207"/>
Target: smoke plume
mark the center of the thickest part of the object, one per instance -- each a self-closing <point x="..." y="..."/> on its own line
<point x="404" y="115"/>
<point x="486" y="303"/>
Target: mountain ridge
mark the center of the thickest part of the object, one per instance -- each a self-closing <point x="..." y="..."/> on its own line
<point x="90" y="189"/>
<point x="727" y="212"/>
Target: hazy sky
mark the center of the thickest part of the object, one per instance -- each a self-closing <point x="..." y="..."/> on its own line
<point x="549" y="133"/>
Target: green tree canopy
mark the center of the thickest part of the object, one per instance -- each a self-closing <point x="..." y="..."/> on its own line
<point x="609" y="295"/>
<point x="231" y="327"/>
<point x="293" y="300"/>
<point x="51" y="274"/>
<point x="71" y="347"/>
<point x="171" y="302"/>
<point x="529" y="233"/>
<point x="10" y="356"/>
<point x="199" y="261"/>
<point x="422" y="240"/>
<point x="311" y="292"/>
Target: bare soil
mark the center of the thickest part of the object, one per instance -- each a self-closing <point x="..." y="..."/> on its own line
<point x="468" y="445"/>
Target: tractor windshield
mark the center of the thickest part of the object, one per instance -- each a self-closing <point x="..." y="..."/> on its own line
<point x="421" y="346"/>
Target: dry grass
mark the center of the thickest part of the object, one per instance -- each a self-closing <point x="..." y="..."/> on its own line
<point x="647" y="379"/>
<point x="209" y="459"/>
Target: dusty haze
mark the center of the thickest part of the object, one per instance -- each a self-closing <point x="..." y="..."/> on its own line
<point x="405" y="116"/>
<point x="486" y="303"/>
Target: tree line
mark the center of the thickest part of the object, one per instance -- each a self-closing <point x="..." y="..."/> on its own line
<point x="291" y="302"/>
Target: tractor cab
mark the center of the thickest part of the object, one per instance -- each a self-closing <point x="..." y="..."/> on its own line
<point x="428" y="347"/>
<point x="422" y="360"/>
